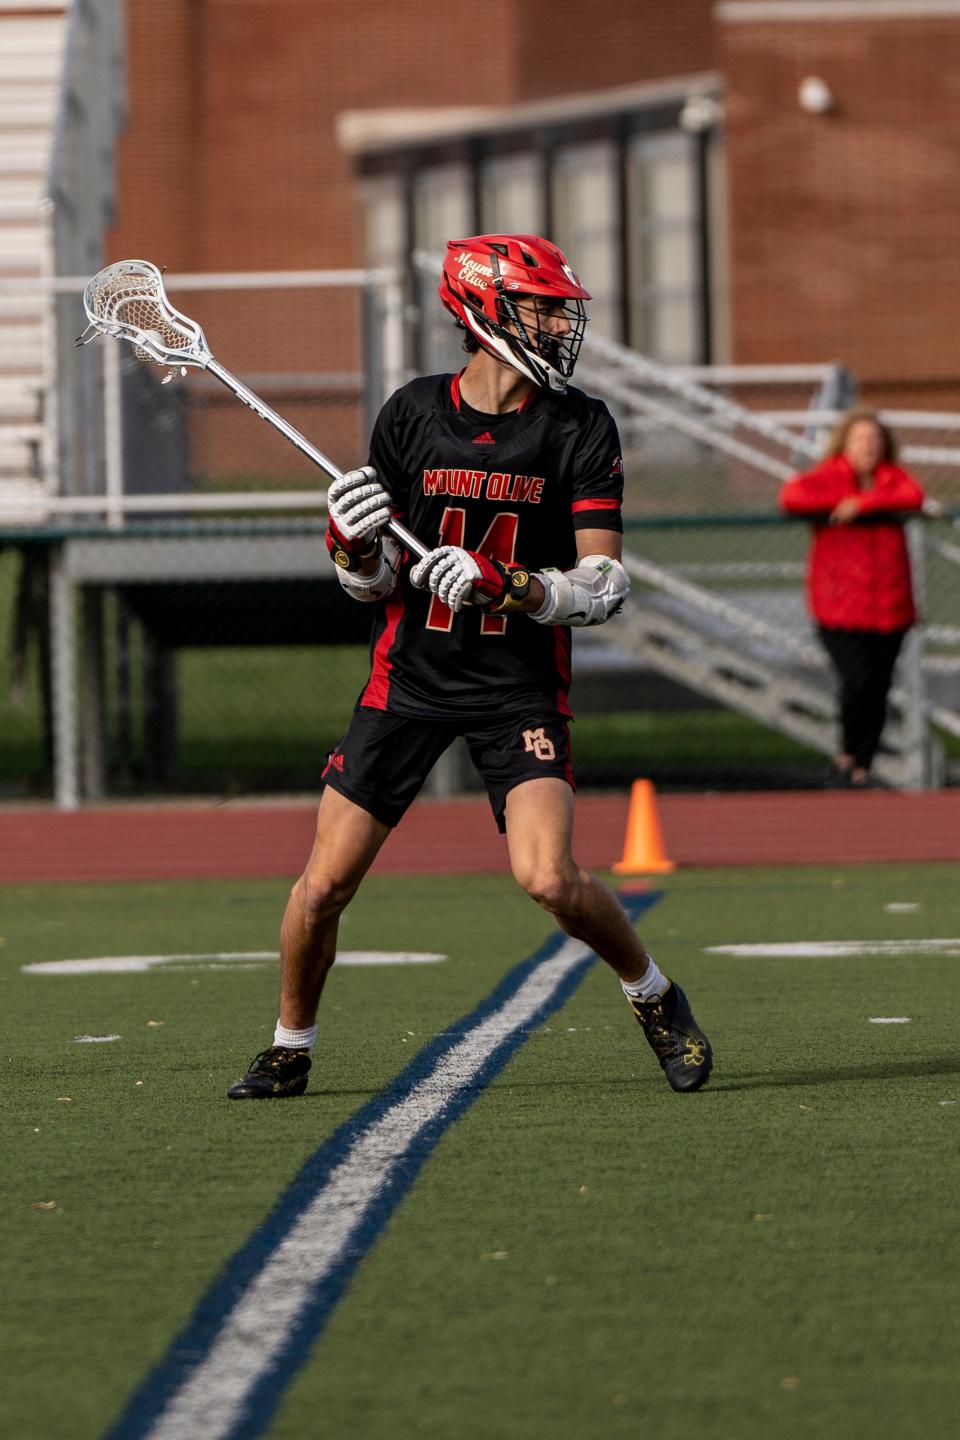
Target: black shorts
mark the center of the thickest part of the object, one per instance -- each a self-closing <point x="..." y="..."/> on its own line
<point x="383" y="760"/>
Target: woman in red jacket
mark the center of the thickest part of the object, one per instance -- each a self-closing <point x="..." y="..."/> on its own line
<point x="858" y="574"/>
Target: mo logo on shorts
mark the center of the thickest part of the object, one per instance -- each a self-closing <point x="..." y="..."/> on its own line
<point x="539" y="743"/>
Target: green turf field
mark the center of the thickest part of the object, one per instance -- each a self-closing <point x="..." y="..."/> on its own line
<point x="586" y="1254"/>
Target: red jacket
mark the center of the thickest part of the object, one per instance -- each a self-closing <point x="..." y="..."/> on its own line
<point x="858" y="574"/>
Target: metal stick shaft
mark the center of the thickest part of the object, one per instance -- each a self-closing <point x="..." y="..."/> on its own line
<point x="323" y="462"/>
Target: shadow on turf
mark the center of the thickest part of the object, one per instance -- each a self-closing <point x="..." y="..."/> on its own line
<point x="722" y="1082"/>
<point x="890" y="1070"/>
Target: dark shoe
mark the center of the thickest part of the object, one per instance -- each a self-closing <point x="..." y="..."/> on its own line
<point x="675" y="1037"/>
<point x="837" y="778"/>
<point x="274" y="1073"/>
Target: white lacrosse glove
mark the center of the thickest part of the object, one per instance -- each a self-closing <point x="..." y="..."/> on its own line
<point x="358" y="508"/>
<point x="450" y="572"/>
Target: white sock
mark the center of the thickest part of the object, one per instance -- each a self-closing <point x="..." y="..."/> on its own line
<point x="650" y="986"/>
<point x="295" y="1039"/>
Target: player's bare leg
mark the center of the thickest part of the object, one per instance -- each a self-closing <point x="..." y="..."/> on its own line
<point x="539" y="831"/>
<point x="345" y="845"/>
<point x="539" y="815"/>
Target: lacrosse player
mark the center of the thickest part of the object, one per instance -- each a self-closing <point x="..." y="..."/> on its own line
<point x="516" y="479"/>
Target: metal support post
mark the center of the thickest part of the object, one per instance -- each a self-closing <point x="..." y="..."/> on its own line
<point x="372" y="331"/>
<point x="63" y="665"/>
<point x="124" y="707"/>
<point x="393" y="368"/>
<point x="449" y="776"/>
<point x="113" y="434"/>
<point x="915" y="728"/>
<point x="92" y="690"/>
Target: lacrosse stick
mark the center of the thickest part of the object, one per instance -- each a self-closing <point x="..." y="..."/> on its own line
<point x="127" y="301"/>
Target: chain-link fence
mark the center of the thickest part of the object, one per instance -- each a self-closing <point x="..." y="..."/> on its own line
<point x="152" y="661"/>
<point x="152" y="648"/>
<point x="233" y="677"/>
<point x="238" y="675"/>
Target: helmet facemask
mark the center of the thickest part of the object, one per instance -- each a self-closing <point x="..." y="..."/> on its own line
<point x="547" y="332"/>
<point x="534" y="345"/>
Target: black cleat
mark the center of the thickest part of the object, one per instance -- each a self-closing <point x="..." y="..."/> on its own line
<point x="675" y="1037"/>
<point x="274" y="1073"/>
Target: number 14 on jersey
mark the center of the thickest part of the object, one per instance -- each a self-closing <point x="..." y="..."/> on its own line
<point x="497" y="544"/>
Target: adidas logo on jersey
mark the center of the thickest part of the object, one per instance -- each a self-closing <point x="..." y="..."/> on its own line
<point x="485" y="439"/>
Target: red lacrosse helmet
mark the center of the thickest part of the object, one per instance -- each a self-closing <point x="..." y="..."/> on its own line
<point x="484" y="278"/>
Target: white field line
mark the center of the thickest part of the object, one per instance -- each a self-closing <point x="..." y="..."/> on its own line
<point x="837" y="949"/>
<point x="256" y="1331"/>
<point x="130" y="964"/>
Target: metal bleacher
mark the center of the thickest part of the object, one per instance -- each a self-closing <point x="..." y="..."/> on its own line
<point x="731" y="630"/>
<point x="31" y="61"/>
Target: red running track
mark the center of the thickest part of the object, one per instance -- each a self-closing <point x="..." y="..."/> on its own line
<point x="459" y="837"/>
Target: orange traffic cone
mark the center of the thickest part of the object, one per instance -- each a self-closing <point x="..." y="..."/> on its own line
<point x="643" y="852"/>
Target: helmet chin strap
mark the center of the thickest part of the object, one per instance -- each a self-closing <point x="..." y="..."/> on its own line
<point x="539" y="371"/>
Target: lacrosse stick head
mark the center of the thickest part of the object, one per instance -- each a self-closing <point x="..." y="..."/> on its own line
<point x="127" y="301"/>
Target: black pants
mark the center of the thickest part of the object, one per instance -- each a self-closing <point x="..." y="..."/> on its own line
<point x="864" y="661"/>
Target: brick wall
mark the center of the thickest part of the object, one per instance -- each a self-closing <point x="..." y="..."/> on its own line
<point x="844" y="226"/>
<point x="158" y="198"/>
<point x="572" y="45"/>
<point x="229" y="160"/>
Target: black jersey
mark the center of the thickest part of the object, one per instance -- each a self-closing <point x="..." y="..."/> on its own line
<point x="515" y="487"/>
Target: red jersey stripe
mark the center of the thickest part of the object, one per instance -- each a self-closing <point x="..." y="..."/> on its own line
<point x="568" y="760"/>
<point x="378" y="686"/>
<point x="579" y="505"/>
<point x="561" y="651"/>
<point x="525" y="403"/>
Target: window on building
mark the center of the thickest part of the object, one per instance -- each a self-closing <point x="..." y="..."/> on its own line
<point x="385" y="221"/>
<point x="587" y="224"/>
<point x="441" y="212"/>
<point x="511" y="194"/>
<point x="664" y="282"/>
<point x="719" y="248"/>
<point x="441" y="205"/>
<point x="385" y="228"/>
<point x="635" y="202"/>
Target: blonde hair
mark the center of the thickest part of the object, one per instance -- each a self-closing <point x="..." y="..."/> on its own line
<point x="838" y="436"/>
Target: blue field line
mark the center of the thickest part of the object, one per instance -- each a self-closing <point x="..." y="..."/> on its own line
<point x="191" y="1347"/>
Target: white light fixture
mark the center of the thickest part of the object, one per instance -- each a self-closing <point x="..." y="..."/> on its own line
<point x="700" y="112"/>
<point x="815" y="96"/>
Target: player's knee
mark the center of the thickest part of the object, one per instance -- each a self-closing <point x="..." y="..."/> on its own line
<point x="553" y="887"/>
<point x="322" y="898"/>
